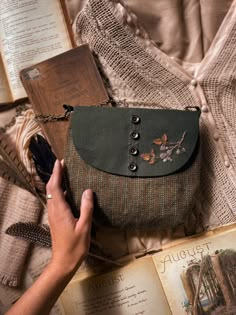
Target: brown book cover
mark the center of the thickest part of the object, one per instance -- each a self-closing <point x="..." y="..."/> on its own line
<point x="70" y="78"/>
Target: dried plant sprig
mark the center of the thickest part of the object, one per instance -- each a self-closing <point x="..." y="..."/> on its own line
<point x="167" y="150"/>
<point x="13" y="170"/>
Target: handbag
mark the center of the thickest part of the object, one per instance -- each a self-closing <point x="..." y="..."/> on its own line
<point x="143" y="165"/>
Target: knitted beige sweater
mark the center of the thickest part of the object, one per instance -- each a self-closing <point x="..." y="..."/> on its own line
<point x="137" y="71"/>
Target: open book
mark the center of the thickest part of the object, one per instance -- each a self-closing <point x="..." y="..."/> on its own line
<point x="30" y="32"/>
<point x="196" y="275"/>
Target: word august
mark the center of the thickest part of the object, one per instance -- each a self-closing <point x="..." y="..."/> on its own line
<point x="104" y="283"/>
<point x="192" y="253"/>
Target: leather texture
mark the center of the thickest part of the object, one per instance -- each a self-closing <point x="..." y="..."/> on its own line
<point x="135" y="142"/>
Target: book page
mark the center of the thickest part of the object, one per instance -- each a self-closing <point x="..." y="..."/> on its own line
<point x="5" y="94"/>
<point x="131" y="290"/>
<point x="204" y="267"/>
<point x="30" y="32"/>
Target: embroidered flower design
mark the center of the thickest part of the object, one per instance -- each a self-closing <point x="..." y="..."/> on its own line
<point x="166" y="148"/>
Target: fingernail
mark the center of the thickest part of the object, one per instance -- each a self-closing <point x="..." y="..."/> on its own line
<point x="88" y="194"/>
<point x="57" y="162"/>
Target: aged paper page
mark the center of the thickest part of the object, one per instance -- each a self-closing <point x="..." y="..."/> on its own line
<point x="179" y="270"/>
<point x="5" y="94"/>
<point x="131" y="290"/>
<point x="30" y="32"/>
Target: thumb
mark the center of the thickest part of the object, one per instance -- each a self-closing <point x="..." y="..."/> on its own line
<point x="86" y="211"/>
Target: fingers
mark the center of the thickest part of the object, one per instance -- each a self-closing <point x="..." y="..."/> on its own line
<point x="86" y="210"/>
<point x="54" y="187"/>
<point x="56" y="178"/>
<point x="62" y="163"/>
<point x="59" y="205"/>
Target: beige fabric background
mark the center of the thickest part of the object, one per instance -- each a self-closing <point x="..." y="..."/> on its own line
<point x="183" y="29"/>
<point x="17" y="204"/>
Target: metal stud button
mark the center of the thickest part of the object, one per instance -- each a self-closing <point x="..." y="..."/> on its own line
<point x="135" y="119"/>
<point x="133" y="151"/>
<point x="134" y="135"/>
<point x="205" y="109"/>
<point x="194" y="82"/>
<point x="133" y="167"/>
<point x="227" y="164"/>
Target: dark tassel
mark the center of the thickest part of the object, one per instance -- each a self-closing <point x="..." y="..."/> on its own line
<point x="34" y="233"/>
<point x="44" y="160"/>
<point x="43" y="157"/>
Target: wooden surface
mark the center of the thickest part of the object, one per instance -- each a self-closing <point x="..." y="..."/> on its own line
<point x="69" y="78"/>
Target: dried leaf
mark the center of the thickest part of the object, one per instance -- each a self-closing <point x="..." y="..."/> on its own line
<point x="157" y="141"/>
<point x="152" y="161"/>
<point x="17" y="171"/>
<point x="152" y="157"/>
<point x="145" y="156"/>
<point x="152" y="153"/>
<point x="9" y="175"/>
<point x="149" y="157"/>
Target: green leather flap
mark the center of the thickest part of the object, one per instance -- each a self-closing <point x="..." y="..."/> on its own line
<point x="135" y="142"/>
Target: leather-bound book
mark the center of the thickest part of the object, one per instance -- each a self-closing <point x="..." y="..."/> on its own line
<point x="70" y="78"/>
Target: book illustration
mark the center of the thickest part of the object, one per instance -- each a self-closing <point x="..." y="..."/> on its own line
<point x="212" y="290"/>
<point x="203" y="273"/>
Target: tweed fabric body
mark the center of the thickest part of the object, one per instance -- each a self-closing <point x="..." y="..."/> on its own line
<point x="137" y="71"/>
<point x="134" y="202"/>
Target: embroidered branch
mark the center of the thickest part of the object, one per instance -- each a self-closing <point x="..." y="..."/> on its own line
<point x="168" y="149"/>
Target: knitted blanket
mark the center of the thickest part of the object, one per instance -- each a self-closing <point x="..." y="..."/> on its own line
<point x="17" y="204"/>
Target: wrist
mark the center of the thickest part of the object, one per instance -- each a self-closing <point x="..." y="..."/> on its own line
<point x="60" y="272"/>
<point x="64" y="268"/>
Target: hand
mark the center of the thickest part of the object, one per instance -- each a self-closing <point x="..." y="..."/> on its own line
<point x="70" y="236"/>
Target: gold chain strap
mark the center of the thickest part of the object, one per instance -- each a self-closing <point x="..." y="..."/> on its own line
<point x="49" y="118"/>
<point x="41" y="118"/>
<point x="69" y="109"/>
